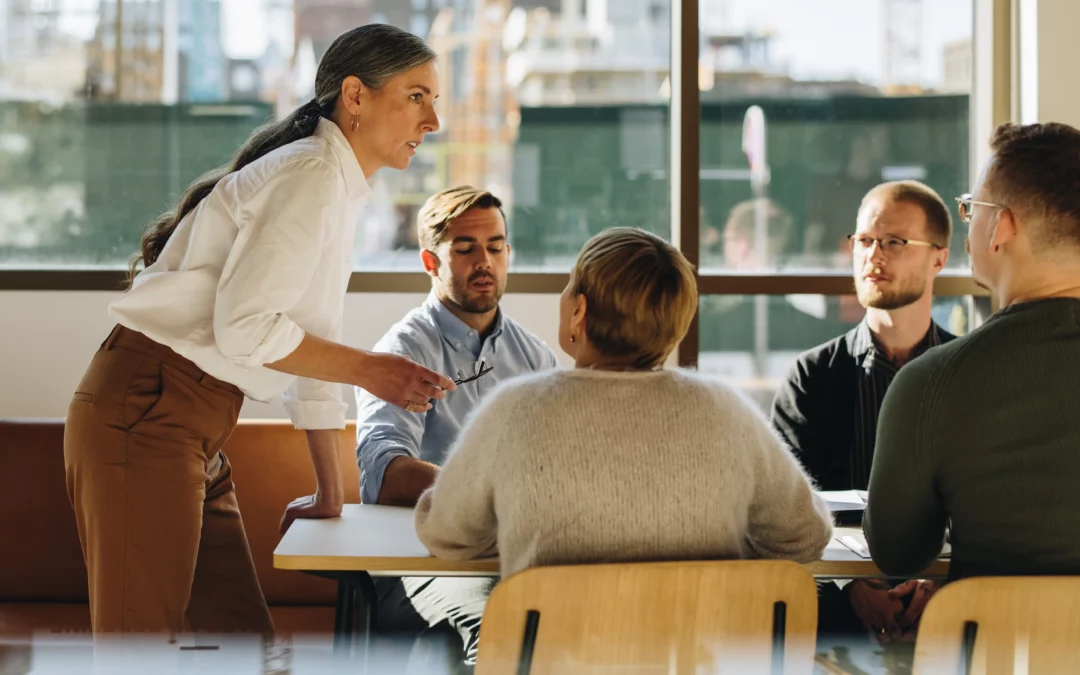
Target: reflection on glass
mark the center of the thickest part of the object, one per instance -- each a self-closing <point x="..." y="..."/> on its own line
<point x="754" y="340"/>
<point x="837" y="116"/>
<point x="110" y="108"/>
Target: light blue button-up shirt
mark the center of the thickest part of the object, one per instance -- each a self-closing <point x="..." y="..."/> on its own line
<point x="433" y="337"/>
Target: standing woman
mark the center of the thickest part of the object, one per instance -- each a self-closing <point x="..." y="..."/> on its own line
<point x="242" y="294"/>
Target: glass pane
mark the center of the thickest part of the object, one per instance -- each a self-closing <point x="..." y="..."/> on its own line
<point x="754" y="340"/>
<point x="560" y="108"/>
<point x="809" y="108"/>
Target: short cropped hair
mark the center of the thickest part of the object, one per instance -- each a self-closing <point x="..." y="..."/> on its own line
<point x="1035" y="172"/>
<point x="938" y="221"/>
<point x="640" y="294"/>
<point x="434" y="218"/>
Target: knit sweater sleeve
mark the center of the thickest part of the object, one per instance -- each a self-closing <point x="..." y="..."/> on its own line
<point x="787" y="519"/>
<point x="455" y="517"/>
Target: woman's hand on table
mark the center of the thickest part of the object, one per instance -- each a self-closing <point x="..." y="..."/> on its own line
<point x="312" y="506"/>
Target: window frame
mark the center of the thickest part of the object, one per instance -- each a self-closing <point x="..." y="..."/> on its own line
<point x="992" y="102"/>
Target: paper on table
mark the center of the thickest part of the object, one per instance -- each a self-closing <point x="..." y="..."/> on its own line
<point x="845" y="500"/>
<point x="856" y="541"/>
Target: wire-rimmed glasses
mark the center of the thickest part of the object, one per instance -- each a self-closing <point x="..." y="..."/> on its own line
<point x="483" y="371"/>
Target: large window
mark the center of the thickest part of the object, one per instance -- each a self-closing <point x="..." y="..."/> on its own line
<point x="804" y="108"/>
<point x="809" y="105"/>
<point x="557" y="107"/>
<point x="109" y="108"/>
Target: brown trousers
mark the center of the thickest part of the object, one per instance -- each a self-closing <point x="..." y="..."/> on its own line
<point x="153" y="495"/>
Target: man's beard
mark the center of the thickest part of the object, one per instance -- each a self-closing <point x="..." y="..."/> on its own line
<point x="873" y="297"/>
<point x="481" y="304"/>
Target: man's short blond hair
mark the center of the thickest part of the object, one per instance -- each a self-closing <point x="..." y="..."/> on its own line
<point x="938" y="221"/>
<point x="640" y="295"/>
<point x="434" y="218"/>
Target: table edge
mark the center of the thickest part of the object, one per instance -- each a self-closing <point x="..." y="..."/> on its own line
<point x="431" y="566"/>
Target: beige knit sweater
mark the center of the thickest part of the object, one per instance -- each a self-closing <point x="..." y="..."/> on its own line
<point x="585" y="466"/>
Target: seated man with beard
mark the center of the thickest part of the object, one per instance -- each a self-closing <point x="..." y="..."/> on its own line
<point x="827" y="410"/>
<point x="461" y="330"/>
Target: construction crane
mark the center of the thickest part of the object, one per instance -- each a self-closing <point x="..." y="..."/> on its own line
<point x="903" y="45"/>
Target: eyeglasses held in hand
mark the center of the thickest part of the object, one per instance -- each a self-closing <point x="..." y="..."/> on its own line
<point x="483" y="371"/>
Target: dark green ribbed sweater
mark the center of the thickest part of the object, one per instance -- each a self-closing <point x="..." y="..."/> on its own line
<point x="984" y="431"/>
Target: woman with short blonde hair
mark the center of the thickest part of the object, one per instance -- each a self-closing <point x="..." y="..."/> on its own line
<point x="640" y="295"/>
<point x="620" y="459"/>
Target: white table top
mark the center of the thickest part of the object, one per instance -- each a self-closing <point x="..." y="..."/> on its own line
<point x="382" y="541"/>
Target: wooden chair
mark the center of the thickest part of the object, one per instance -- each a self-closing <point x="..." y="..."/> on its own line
<point x="1001" y="626"/>
<point x="670" y="617"/>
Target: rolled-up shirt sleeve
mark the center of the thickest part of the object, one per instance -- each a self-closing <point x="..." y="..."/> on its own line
<point x="314" y="404"/>
<point x="277" y="250"/>
<point x="385" y="431"/>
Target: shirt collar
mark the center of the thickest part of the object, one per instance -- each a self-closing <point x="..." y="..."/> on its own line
<point x="355" y="184"/>
<point x="864" y="345"/>
<point x="454" y="330"/>
<point x="863" y="342"/>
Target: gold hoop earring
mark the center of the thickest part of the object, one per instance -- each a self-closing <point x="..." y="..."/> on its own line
<point x="355" y="122"/>
<point x="573" y="338"/>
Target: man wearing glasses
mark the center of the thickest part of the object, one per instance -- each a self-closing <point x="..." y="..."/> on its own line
<point x="984" y="432"/>
<point x="461" y="329"/>
<point x="827" y="410"/>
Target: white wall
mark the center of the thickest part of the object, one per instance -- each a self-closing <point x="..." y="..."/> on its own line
<point x="48" y="338"/>
<point x="1058" y="53"/>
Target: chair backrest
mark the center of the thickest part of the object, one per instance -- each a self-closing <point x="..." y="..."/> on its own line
<point x="1001" y="626"/>
<point x="670" y="617"/>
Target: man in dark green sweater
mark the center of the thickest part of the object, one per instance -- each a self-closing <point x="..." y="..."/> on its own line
<point x="985" y="431"/>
